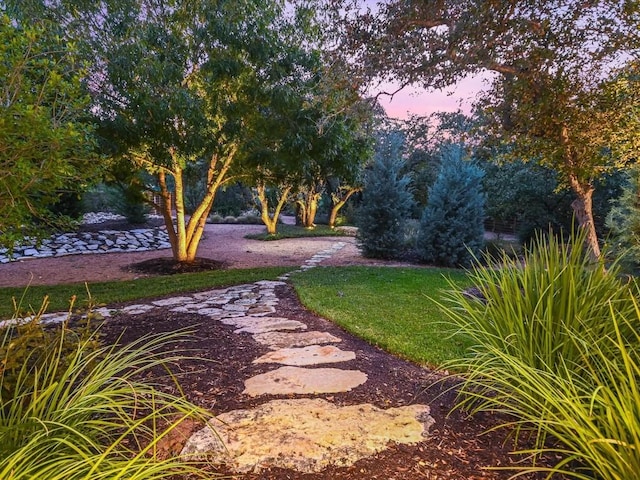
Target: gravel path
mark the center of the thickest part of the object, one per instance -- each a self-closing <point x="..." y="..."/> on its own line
<point x="222" y="242"/>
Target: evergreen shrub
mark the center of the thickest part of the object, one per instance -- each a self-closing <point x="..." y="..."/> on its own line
<point x="386" y="203"/>
<point x="452" y="225"/>
<point x="623" y="223"/>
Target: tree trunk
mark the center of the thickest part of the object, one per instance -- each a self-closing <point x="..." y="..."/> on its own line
<point x="338" y="203"/>
<point x="583" y="204"/>
<point x="184" y="235"/>
<point x="198" y="220"/>
<point x="583" y="210"/>
<point x="309" y="206"/>
<point x="180" y="251"/>
<point x="271" y="222"/>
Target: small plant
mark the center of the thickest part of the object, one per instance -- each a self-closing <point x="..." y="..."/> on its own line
<point x="556" y="347"/>
<point x="86" y="412"/>
<point x="386" y="203"/>
<point x="27" y="345"/>
<point x="452" y="225"/>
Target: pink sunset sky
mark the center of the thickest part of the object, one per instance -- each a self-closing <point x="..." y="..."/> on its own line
<point x="414" y="100"/>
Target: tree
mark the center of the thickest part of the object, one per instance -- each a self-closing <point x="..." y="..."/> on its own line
<point x="309" y="132"/>
<point x="46" y="146"/>
<point x="550" y="60"/>
<point x="179" y="83"/>
<point x="386" y="202"/>
<point x="452" y="226"/>
<point x="526" y="196"/>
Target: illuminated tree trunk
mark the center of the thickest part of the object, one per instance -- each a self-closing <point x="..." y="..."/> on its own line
<point x="583" y="204"/>
<point x="338" y="203"/>
<point x="583" y="209"/>
<point x="185" y="235"/>
<point x="308" y="205"/>
<point x="271" y="222"/>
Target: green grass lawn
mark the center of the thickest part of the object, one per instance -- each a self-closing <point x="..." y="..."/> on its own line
<point x="392" y="308"/>
<point x="113" y="292"/>
<point x="293" y="231"/>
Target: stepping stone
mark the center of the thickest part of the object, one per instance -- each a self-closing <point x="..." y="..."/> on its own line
<point x="210" y="311"/>
<point x="268" y="324"/>
<point x="269" y="283"/>
<point x="209" y="294"/>
<point x="312" y="355"/>
<point x="306" y="435"/>
<point x="300" y="381"/>
<point x="167" y="302"/>
<point x="261" y="309"/>
<point x="278" y="340"/>
<point x="137" y="309"/>
<point x="247" y="320"/>
<point x="233" y="307"/>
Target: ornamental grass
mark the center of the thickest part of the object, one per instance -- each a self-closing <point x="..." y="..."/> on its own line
<point x="556" y="349"/>
<point x="81" y="411"/>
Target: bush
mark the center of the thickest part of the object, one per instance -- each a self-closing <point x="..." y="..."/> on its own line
<point x="452" y="226"/>
<point x="233" y="200"/>
<point x="124" y="199"/>
<point x="556" y="348"/>
<point x="623" y="223"/>
<point x="386" y="203"/>
<point x="86" y="413"/>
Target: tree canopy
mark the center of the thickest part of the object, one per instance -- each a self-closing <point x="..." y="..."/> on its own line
<point x="47" y="146"/>
<point x="185" y="81"/>
<point x="552" y="61"/>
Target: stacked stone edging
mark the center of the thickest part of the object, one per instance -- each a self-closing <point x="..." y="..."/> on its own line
<point x="104" y="241"/>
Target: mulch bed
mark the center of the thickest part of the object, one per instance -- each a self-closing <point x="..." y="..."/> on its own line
<point x="458" y="446"/>
<point x="169" y="266"/>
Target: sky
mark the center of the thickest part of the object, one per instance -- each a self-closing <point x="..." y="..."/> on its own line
<point x="414" y="100"/>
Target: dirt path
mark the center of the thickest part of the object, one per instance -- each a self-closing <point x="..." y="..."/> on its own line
<point x="222" y="242"/>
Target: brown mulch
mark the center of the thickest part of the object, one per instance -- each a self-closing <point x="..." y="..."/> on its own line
<point x="458" y="447"/>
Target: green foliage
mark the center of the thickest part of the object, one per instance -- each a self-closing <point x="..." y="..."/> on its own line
<point x="386" y="202"/>
<point x="452" y="226"/>
<point x="556" y="97"/>
<point x="623" y="222"/>
<point x="555" y="346"/>
<point x="528" y="196"/>
<point x="28" y="345"/>
<point x="233" y="200"/>
<point x="47" y="149"/>
<point x="392" y="308"/>
<point x="77" y="412"/>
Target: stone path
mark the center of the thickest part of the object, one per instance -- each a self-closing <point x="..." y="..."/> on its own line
<point x="304" y="434"/>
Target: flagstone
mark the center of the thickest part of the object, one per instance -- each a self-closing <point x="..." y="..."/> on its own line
<point x="300" y="381"/>
<point x="269" y="324"/>
<point x="306" y="435"/>
<point x="311" y="355"/>
<point x="278" y="340"/>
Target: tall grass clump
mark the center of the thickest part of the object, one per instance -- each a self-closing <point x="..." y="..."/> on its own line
<point x="556" y="349"/>
<point x="88" y="412"/>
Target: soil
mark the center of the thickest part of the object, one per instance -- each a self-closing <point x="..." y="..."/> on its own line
<point x="459" y="446"/>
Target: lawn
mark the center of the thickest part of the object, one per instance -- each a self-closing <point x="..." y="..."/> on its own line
<point x="392" y="308"/>
<point x="114" y="292"/>
<point x="293" y="231"/>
